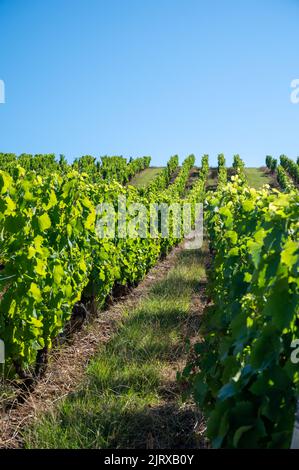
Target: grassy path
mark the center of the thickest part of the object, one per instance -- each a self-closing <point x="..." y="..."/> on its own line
<point x="129" y="396"/>
<point x="143" y="178"/>
<point x="257" y="177"/>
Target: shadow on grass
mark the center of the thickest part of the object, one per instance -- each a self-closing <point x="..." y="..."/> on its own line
<point x="119" y="425"/>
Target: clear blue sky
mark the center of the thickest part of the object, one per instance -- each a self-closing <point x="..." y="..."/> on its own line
<point x="150" y="77"/>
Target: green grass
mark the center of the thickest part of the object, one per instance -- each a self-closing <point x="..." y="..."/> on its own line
<point x="143" y="178"/>
<point x="257" y="177"/>
<point x="123" y="399"/>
